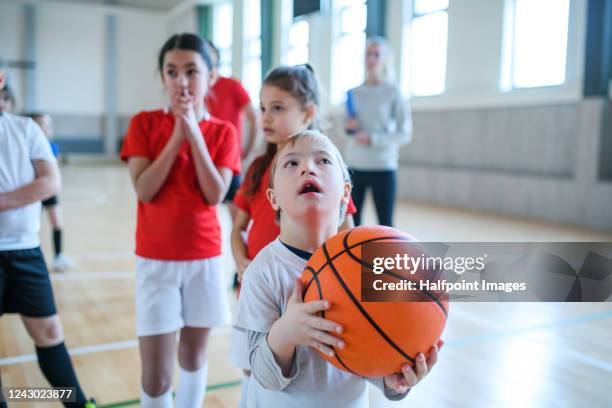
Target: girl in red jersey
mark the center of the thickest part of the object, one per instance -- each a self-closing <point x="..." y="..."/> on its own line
<point x="289" y="101"/>
<point x="181" y="162"/>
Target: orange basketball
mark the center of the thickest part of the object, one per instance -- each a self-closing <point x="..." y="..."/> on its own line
<point x="379" y="336"/>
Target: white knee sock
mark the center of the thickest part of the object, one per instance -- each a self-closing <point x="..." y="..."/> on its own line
<point x="191" y="387"/>
<point x="244" y="390"/>
<point x="162" y="401"/>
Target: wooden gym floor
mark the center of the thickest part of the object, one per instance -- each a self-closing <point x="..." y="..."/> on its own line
<point x="502" y="355"/>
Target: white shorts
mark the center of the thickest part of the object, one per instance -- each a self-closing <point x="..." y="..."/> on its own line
<point x="174" y="294"/>
<point x="239" y="349"/>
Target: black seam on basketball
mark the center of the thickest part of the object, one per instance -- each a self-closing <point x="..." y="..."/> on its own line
<point x="319" y="289"/>
<point x="425" y="292"/>
<point x="312" y="272"/>
<point x="316" y="279"/>
<point x="362" y="310"/>
<point x="347" y="249"/>
<point x="342" y="362"/>
<point x="340" y="254"/>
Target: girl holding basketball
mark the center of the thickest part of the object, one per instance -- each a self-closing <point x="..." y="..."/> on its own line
<point x="181" y="162"/>
<point x="309" y="190"/>
<point x="289" y="103"/>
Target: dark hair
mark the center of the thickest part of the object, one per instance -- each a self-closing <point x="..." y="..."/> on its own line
<point x="34" y="115"/>
<point x="298" y="81"/>
<point x="258" y="168"/>
<point x="185" y="41"/>
<point x="214" y="51"/>
<point x="7" y="93"/>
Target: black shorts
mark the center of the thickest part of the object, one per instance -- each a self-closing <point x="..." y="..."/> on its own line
<point x="231" y="192"/>
<point x="50" y="201"/>
<point x="25" y="287"/>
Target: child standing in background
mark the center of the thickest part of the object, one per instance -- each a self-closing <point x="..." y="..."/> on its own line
<point x="51" y="205"/>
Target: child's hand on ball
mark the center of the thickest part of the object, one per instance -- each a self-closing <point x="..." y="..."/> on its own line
<point x="304" y="328"/>
<point x="299" y="326"/>
<point x="409" y="377"/>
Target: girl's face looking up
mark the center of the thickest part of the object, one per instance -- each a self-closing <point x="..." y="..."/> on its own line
<point x="309" y="180"/>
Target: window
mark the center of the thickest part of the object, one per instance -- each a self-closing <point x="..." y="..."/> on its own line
<point x="427" y="62"/>
<point x="251" y="74"/>
<point x="534" y="53"/>
<point x="297" y="52"/>
<point x="348" y="70"/>
<point x="222" y="36"/>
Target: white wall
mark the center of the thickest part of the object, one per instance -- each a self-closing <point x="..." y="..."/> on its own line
<point x="138" y="80"/>
<point x="70" y="55"/>
<point x="474" y="46"/>
<point x="184" y="21"/>
<point x="10" y="28"/>
<point x="11" y="32"/>
<point x="69" y="61"/>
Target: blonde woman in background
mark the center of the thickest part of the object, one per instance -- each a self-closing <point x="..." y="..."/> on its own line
<point x="378" y="123"/>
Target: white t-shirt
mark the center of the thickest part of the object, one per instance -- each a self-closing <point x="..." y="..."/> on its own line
<point x="266" y="288"/>
<point x="21" y="142"/>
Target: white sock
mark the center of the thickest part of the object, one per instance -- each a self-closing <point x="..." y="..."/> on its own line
<point x="191" y="387"/>
<point x="162" y="401"/>
<point x="244" y="390"/>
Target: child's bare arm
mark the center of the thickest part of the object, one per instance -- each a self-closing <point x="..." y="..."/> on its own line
<point x="213" y="181"/>
<point x="239" y="249"/>
<point x="149" y="176"/>
<point x="299" y="326"/>
<point x="46" y="184"/>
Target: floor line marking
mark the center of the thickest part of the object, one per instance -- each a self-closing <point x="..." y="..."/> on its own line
<point x="104" y="256"/>
<point x="212" y="387"/>
<point x="74" y="276"/>
<point x="98" y="348"/>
